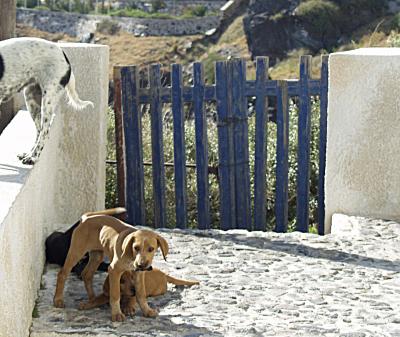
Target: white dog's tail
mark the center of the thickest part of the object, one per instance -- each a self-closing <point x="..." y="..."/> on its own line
<point x="73" y="98"/>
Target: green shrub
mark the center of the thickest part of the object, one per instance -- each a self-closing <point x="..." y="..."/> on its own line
<point x="355" y="13"/>
<point x="209" y="66"/>
<point x="157" y="5"/>
<point x="394" y="39"/>
<point x="27" y="3"/>
<point x="137" y="13"/>
<point x="111" y="170"/>
<point x="321" y="18"/>
<point x="83" y="7"/>
<point x="42" y="8"/>
<point x="195" y="11"/>
<point x="395" y="22"/>
<point x="354" y="7"/>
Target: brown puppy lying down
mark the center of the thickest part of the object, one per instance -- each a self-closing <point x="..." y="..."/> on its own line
<point x="126" y="247"/>
<point x="155" y="285"/>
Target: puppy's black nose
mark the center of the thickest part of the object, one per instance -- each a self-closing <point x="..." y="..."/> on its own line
<point x="142" y="266"/>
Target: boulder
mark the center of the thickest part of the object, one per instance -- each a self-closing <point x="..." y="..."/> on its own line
<point x="273" y="28"/>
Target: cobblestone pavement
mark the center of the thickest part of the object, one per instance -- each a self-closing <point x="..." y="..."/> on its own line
<point x="255" y="284"/>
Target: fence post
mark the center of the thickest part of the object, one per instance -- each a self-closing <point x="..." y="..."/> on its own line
<point x="304" y="136"/>
<point x="226" y="168"/>
<point x="179" y="146"/>
<point x="119" y="137"/>
<point x="323" y="122"/>
<point x="134" y="179"/>
<point x="260" y="154"/>
<point x="203" y="203"/>
<point x="241" y="144"/>
<point x="282" y="157"/>
<point x="157" y="149"/>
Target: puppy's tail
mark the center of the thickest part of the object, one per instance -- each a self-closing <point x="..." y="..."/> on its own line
<point x="110" y="211"/>
<point x="73" y="98"/>
<point x="179" y="282"/>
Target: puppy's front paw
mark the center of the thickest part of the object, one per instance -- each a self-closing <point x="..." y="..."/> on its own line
<point x="118" y="317"/>
<point x="59" y="303"/>
<point x="150" y="313"/>
<point x="129" y="310"/>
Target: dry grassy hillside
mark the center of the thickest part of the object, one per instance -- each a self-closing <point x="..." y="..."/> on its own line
<point x="127" y="49"/>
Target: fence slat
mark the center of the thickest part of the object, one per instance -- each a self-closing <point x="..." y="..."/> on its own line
<point x="179" y="146"/>
<point x="225" y="148"/>
<point x="119" y="136"/>
<point x="260" y="154"/>
<point x="323" y="122"/>
<point x="303" y="156"/>
<point x="134" y="179"/>
<point x="241" y="144"/>
<point x="157" y="146"/>
<point x="282" y="157"/>
<point x="203" y="203"/>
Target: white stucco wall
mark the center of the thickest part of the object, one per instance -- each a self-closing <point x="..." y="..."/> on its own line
<point x="68" y="179"/>
<point x="363" y="150"/>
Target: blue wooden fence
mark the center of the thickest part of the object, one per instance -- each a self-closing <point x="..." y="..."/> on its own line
<point x="230" y="92"/>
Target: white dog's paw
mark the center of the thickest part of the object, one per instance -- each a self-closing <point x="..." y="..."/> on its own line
<point x="28" y="160"/>
<point x="22" y="155"/>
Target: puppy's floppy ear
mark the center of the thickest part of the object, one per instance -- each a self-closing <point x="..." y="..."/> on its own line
<point x="127" y="249"/>
<point x="163" y="244"/>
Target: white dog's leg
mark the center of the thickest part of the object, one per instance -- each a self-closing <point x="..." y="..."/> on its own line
<point x="50" y="99"/>
<point x="33" y="96"/>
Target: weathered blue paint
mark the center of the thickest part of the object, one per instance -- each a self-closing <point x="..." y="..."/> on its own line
<point x="323" y="122"/>
<point x="179" y="146"/>
<point x="134" y="178"/>
<point x="241" y="144"/>
<point x="230" y="94"/>
<point x="282" y="157"/>
<point x="303" y="153"/>
<point x="203" y="203"/>
<point x="225" y="148"/>
<point x="260" y="155"/>
<point x="157" y="147"/>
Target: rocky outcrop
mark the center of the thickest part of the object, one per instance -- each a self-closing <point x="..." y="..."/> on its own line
<point x="273" y="28"/>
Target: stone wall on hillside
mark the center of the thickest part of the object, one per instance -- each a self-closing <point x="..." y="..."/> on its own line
<point x="79" y="24"/>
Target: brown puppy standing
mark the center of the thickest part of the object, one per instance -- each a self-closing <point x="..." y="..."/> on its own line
<point x="155" y="285"/>
<point x="127" y="248"/>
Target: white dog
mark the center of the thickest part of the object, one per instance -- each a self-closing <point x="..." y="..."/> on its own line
<point x="42" y="69"/>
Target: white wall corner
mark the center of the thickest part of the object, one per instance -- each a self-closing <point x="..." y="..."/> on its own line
<point x="362" y="168"/>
